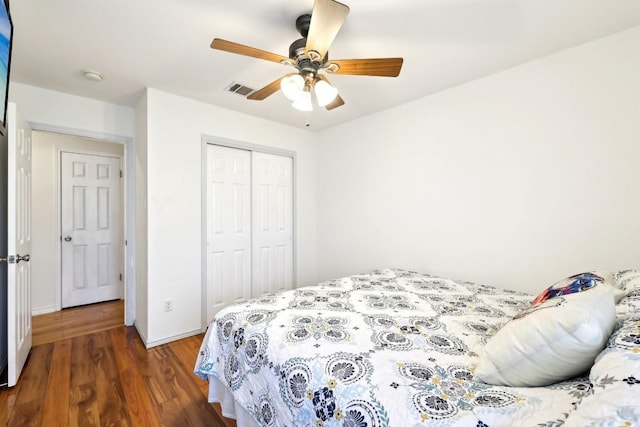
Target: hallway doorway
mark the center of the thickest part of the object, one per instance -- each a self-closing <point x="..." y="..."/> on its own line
<point x="49" y="217"/>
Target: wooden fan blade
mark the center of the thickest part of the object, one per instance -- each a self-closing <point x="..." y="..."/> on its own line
<point x="337" y="101"/>
<point x="382" y="67"/>
<point x="268" y="90"/>
<point x="327" y="18"/>
<point x="241" y="49"/>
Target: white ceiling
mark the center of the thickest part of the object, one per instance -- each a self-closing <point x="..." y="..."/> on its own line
<point x="164" y="44"/>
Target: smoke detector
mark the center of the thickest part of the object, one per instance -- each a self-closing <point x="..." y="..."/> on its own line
<point x="93" y="75"/>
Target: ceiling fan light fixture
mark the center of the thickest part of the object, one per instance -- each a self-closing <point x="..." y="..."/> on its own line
<point x="325" y="93"/>
<point x="292" y="86"/>
<point x="309" y="55"/>
<point x="303" y="103"/>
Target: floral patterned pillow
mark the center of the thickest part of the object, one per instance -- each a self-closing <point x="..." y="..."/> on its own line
<point x="629" y="282"/>
<point x="614" y="399"/>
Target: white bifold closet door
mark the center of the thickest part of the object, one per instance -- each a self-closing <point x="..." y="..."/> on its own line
<point x="272" y="213"/>
<point x="249" y="210"/>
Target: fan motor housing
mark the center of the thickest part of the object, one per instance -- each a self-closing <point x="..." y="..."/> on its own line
<point x="297" y="48"/>
<point x="303" y="23"/>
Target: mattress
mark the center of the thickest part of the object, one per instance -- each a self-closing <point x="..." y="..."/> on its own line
<point x="398" y="348"/>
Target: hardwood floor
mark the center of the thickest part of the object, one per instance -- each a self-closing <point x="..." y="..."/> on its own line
<point x="107" y="378"/>
<point x="73" y="322"/>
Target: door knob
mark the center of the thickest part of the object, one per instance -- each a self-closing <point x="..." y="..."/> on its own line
<point x="67" y="238"/>
<point x="24" y="258"/>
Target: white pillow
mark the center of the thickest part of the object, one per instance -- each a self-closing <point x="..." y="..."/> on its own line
<point x="558" y="337"/>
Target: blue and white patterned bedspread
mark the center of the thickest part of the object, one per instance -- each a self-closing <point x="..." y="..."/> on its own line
<point x="389" y="348"/>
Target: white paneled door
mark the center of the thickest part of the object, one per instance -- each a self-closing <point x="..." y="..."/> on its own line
<point x="249" y="222"/>
<point x="228" y="227"/>
<point x="272" y="223"/>
<point x="91" y="227"/>
<point x="18" y="244"/>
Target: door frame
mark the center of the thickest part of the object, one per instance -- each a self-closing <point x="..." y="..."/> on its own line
<point x="230" y="143"/>
<point x="127" y="209"/>
<point x="122" y="248"/>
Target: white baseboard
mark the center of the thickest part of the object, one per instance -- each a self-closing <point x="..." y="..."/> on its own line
<point x="42" y="310"/>
<point x="169" y="339"/>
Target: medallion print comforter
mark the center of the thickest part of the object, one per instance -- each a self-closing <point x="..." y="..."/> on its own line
<point x="392" y="348"/>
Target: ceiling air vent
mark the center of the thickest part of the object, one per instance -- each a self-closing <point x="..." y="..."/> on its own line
<point x="239" y="89"/>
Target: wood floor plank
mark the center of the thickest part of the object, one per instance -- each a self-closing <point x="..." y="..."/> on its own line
<point x="151" y="367"/>
<point x="140" y="408"/>
<point x="187" y="351"/>
<point x="56" y="405"/>
<point x="104" y="356"/>
<point x="110" y="396"/>
<point x="33" y="386"/>
<point x="156" y="376"/>
<point x="83" y="406"/>
<point x="7" y="403"/>
<point x="46" y="328"/>
<point x="35" y="374"/>
<point x="83" y="370"/>
<point x="77" y="321"/>
<point x="112" y="405"/>
<point x="27" y="414"/>
<point x="198" y="409"/>
<point x="173" y="414"/>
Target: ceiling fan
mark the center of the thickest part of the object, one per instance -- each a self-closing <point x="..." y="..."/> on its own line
<point x="309" y="56"/>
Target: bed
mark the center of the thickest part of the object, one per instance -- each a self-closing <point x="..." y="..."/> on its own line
<point x="400" y="348"/>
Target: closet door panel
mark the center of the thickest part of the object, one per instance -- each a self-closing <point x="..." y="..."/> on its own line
<point x="228" y="227"/>
<point x="272" y="183"/>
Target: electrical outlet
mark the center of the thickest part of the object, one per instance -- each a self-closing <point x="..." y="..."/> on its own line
<point x="168" y="305"/>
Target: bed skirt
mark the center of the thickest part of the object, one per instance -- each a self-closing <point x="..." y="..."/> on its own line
<point x="219" y="393"/>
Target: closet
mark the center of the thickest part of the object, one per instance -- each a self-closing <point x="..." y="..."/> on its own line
<point x="249" y="225"/>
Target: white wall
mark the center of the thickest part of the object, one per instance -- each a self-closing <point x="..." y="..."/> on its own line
<point x="58" y="109"/>
<point x="517" y="179"/>
<point x="175" y="127"/>
<point x="45" y="243"/>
